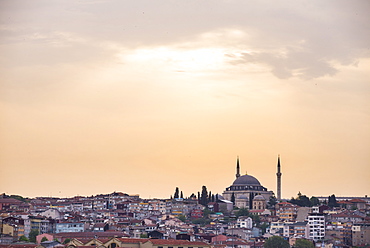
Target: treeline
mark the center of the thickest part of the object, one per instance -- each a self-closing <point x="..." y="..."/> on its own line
<point x="304" y="201"/>
<point x="204" y="196"/>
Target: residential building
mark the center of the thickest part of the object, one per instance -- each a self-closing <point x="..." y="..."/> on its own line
<point x="296" y="230"/>
<point x="361" y="234"/>
<point x="286" y="211"/>
<point x="339" y="233"/>
<point x="13" y="227"/>
<point x="316" y="226"/>
<point x="63" y="227"/>
<point x="245" y="222"/>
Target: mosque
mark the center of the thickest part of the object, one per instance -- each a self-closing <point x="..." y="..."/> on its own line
<point x="248" y="192"/>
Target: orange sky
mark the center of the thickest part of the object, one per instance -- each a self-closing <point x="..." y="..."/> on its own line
<point x="145" y="96"/>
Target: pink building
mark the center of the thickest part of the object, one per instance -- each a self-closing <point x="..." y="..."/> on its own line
<point x="48" y="236"/>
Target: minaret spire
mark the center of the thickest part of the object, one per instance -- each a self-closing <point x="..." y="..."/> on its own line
<point x="278" y="177"/>
<point x="237" y="168"/>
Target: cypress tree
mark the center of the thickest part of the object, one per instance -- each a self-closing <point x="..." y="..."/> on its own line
<point x="204" y="196"/>
<point x="332" y="201"/>
<point x="233" y="198"/>
<point x="176" y="195"/>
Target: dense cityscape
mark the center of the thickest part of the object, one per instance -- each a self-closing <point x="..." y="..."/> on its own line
<point x="245" y="215"/>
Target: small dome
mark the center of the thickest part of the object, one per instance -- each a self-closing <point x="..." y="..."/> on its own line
<point x="242" y="197"/>
<point x="246" y="180"/>
<point x="259" y="198"/>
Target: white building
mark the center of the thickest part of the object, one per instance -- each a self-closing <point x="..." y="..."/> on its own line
<point x="245" y="222"/>
<point x="69" y="227"/>
<point x="316" y="226"/>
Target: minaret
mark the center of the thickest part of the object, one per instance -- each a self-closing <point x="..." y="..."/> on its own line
<point x="278" y="175"/>
<point x="237" y="168"/>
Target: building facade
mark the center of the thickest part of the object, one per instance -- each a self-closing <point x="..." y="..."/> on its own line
<point x="316" y="226"/>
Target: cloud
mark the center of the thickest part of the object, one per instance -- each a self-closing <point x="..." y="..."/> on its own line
<point x="292" y="63"/>
<point x="311" y="34"/>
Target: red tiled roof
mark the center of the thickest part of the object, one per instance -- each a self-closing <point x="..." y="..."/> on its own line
<point x="10" y="201"/>
<point x="347" y="215"/>
<point x="100" y="225"/>
<point x="19" y="246"/>
<point x="218" y="245"/>
<point x="103" y="240"/>
<point x="89" y="235"/>
<point x="132" y="241"/>
<point x="233" y="243"/>
<point x="177" y="242"/>
<point x="357" y="201"/>
<point x="83" y="240"/>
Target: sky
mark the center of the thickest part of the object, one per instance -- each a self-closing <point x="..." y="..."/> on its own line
<point x="144" y="96"/>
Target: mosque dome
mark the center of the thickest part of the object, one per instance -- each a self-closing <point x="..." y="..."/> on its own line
<point x="246" y="180"/>
<point x="259" y="198"/>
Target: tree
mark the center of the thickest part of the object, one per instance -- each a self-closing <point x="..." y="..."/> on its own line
<point x="143" y="235"/>
<point x="256" y="219"/>
<point x="19" y="198"/>
<point x="182" y="217"/>
<point x="332" y="201"/>
<point x="233" y="198"/>
<point x="263" y="227"/>
<point x="201" y="221"/>
<point x="23" y="239"/>
<point x="301" y="200"/>
<point x="33" y="234"/>
<point x="181" y="195"/>
<point x="176" y="195"/>
<point x="303" y="243"/>
<point x="276" y="242"/>
<point x="242" y="212"/>
<point x="314" y="201"/>
<point x="204" y="196"/>
<point x="67" y="240"/>
<point x="44" y="239"/>
<point x="198" y="197"/>
<point x="304" y="201"/>
<point x="272" y="202"/>
<point x="207" y="212"/>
